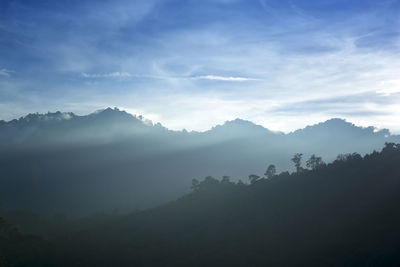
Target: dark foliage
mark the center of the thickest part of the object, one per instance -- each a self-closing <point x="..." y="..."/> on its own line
<point x="340" y="214"/>
<point x="17" y="249"/>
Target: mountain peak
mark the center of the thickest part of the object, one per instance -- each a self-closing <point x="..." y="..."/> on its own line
<point x="116" y="115"/>
<point x="336" y="121"/>
<point x="239" y="127"/>
<point x="50" y="116"/>
<point x="112" y="113"/>
<point x="338" y="126"/>
<point x="241" y="122"/>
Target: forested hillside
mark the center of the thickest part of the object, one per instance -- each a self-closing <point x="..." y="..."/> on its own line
<point x="344" y="213"/>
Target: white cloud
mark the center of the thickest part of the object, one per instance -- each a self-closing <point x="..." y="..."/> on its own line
<point x="116" y="74"/>
<point x="168" y="77"/>
<point x="224" y="78"/>
<point x="390" y="87"/>
<point x="5" y="72"/>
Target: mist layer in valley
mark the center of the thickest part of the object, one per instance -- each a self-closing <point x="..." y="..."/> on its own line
<point x="76" y="165"/>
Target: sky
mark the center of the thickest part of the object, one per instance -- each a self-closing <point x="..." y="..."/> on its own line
<point x="192" y="64"/>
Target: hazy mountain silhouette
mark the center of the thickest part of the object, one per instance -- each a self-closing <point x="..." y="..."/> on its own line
<point x="61" y="162"/>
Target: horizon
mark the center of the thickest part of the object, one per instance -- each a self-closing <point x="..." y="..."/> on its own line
<point x="192" y="65"/>
<point x="153" y="123"/>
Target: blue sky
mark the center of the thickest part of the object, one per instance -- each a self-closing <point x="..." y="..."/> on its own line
<point x="192" y="64"/>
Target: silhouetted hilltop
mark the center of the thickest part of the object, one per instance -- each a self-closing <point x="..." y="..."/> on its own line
<point x="37" y="119"/>
<point x="338" y="127"/>
<point x="59" y="128"/>
<point x="240" y="128"/>
<point x="344" y="213"/>
<point x="62" y="126"/>
<point x="17" y="249"/>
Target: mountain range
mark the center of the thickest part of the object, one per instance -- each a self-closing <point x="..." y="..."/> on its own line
<point x="64" y="163"/>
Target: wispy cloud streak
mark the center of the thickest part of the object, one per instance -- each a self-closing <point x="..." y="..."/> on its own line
<point x="116" y="74"/>
<point x="224" y="78"/>
<point x="5" y="72"/>
<point x="390" y="87"/>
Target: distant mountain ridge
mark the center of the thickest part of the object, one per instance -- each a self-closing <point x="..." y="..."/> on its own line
<point x="340" y="124"/>
<point x="49" y="161"/>
<point x="66" y="126"/>
<point x="109" y="115"/>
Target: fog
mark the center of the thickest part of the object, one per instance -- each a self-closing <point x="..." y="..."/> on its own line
<point x="76" y="165"/>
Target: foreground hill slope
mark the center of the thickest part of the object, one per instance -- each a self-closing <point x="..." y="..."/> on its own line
<point x="17" y="249"/>
<point x="64" y="163"/>
<point x="341" y="214"/>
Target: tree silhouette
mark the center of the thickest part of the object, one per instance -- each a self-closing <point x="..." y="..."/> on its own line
<point x="297" y="161"/>
<point x="8" y="230"/>
<point x="240" y="183"/>
<point x="343" y="157"/>
<point x="271" y="171"/>
<point x="195" y="185"/>
<point x="253" y="178"/>
<point x="314" y="162"/>
<point x="391" y="148"/>
<point x="209" y="183"/>
<point x="225" y="179"/>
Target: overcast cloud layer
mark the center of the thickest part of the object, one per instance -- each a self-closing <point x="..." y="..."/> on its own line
<point x="193" y="64"/>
